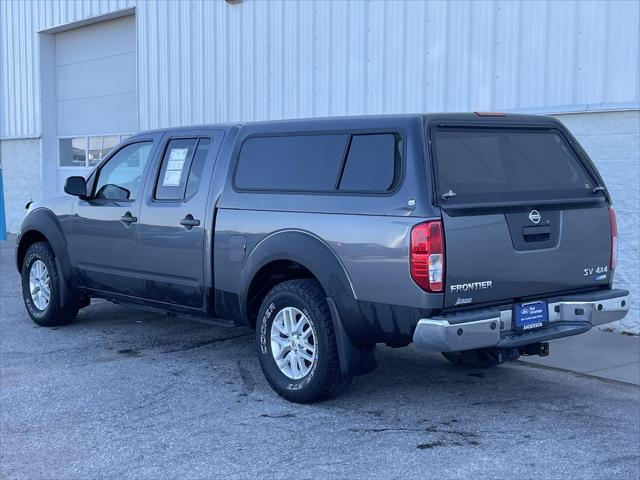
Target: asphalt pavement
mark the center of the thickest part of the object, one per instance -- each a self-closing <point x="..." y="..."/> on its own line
<point x="128" y="394"/>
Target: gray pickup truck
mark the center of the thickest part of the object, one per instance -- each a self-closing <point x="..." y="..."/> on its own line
<point x="481" y="236"/>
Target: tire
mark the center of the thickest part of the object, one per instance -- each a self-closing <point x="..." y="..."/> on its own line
<point x="313" y="380"/>
<point x="44" y="311"/>
<point x="482" y="358"/>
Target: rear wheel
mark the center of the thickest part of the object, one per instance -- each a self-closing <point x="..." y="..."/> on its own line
<point x="297" y="344"/>
<point x="41" y="288"/>
<point x="481" y="358"/>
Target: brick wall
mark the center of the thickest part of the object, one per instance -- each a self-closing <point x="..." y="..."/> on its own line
<point x="612" y="140"/>
<point x="20" y="161"/>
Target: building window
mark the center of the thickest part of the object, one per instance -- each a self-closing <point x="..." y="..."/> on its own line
<point x="99" y="147"/>
<point x="73" y="152"/>
<point x="87" y="151"/>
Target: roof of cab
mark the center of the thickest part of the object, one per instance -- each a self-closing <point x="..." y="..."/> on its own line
<point x="370" y="120"/>
<point x="489" y="117"/>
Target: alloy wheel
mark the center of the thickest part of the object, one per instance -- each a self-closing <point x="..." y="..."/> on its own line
<point x="293" y="343"/>
<point x="40" y="285"/>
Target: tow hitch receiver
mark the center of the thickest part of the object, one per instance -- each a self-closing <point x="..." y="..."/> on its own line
<point x="541" y="349"/>
<point x="507" y="354"/>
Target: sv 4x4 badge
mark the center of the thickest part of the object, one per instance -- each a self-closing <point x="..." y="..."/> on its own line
<point x="601" y="272"/>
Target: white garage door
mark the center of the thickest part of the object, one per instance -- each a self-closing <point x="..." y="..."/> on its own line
<point x="95" y="92"/>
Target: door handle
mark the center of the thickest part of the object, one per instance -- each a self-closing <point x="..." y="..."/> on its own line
<point x="539" y="230"/>
<point x="540" y="233"/>
<point x="127" y="219"/>
<point x="189" y="222"/>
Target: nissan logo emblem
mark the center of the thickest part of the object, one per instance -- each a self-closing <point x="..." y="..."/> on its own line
<point x="535" y="216"/>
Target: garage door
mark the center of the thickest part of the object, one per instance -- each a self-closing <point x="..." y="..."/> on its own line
<point x="95" y="73"/>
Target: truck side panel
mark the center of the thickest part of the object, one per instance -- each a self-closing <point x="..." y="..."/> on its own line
<point x="373" y="251"/>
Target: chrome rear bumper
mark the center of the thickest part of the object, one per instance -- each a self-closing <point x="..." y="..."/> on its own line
<point x="485" y="328"/>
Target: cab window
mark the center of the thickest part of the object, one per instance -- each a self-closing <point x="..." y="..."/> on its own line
<point x="181" y="169"/>
<point x="122" y="176"/>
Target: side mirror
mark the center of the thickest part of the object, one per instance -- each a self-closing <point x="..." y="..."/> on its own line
<point x="113" y="192"/>
<point x="75" y="186"/>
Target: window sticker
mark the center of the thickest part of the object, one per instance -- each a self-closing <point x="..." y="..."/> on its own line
<point x="178" y="154"/>
<point x="175" y="164"/>
<point x="172" y="178"/>
<point x="173" y="174"/>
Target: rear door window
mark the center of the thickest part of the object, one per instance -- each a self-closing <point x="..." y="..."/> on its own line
<point x="291" y="163"/>
<point x="372" y="163"/>
<point x="175" y="169"/>
<point x="496" y="165"/>
<point x="197" y="167"/>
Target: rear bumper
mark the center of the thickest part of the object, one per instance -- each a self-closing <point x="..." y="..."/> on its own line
<point x="569" y="315"/>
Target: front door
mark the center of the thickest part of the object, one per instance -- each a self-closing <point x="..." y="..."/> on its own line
<point x="103" y="231"/>
<point x="173" y="219"/>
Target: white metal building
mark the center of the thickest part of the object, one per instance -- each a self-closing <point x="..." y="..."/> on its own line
<point x="76" y="76"/>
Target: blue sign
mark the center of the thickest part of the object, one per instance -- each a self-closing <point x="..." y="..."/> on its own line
<point x="3" y="223"/>
<point x="531" y="315"/>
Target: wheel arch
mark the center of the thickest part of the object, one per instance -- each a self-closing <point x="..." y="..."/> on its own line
<point x="42" y="225"/>
<point x="267" y="277"/>
<point x="304" y="255"/>
<point x="27" y="239"/>
<point x="294" y="254"/>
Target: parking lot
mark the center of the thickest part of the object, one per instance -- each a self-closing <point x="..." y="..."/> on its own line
<point x="123" y="393"/>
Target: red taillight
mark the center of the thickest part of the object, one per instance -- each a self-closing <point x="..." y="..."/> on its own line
<point x="614" y="239"/>
<point x="427" y="256"/>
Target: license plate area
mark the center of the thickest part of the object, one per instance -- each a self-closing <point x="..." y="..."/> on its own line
<point x="531" y="315"/>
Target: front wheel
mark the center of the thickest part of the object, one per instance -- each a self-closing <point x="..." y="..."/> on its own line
<point x="41" y="288"/>
<point x="297" y="344"/>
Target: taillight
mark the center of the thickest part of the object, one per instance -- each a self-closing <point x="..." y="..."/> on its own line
<point x="427" y="256"/>
<point x="614" y="239"/>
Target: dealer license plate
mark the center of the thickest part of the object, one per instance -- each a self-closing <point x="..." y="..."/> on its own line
<point x="531" y="315"/>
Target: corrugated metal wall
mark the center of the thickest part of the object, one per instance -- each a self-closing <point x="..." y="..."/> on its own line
<point x="207" y="61"/>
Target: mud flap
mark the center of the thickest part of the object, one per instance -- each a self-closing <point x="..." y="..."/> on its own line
<point x="68" y="297"/>
<point x="353" y="360"/>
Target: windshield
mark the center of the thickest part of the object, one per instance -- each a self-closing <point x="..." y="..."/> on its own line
<point x="506" y="164"/>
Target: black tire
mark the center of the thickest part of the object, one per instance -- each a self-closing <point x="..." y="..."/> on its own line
<point x="324" y="380"/>
<point x="53" y="314"/>
<point x="482" y="358"/>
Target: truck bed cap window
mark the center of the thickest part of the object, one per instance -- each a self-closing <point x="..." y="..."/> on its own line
<point x="294" y="163"/>
<point x="371" y="164"/>
<point x="478" y="165"/>
<point x="320" y="162"/>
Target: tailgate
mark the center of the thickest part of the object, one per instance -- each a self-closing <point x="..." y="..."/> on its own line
<point x="523" y="215"/>
<point x="489" y="257"/>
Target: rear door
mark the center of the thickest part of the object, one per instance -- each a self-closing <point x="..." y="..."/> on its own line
<point x="172" y="230"/>
<point x="520" y="214"/>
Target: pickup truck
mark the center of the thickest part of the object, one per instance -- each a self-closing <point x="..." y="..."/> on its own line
<point x="481" y="236"/>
